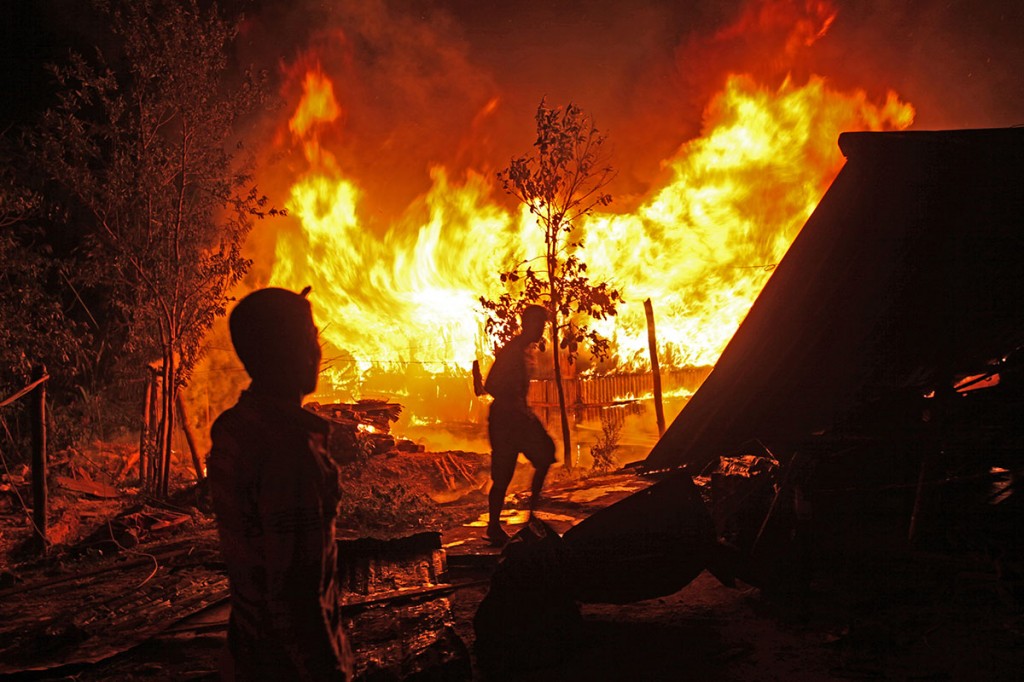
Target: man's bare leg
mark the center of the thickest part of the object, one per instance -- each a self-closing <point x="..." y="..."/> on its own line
<point x="537" y="487"/>
<point x="495" y="502"/>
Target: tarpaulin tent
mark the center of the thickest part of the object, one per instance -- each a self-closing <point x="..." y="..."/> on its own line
<point x="908" y="272"/>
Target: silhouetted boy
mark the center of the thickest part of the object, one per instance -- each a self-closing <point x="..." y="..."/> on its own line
<point x="512" y="426"/>
<point x="275" y="493"/>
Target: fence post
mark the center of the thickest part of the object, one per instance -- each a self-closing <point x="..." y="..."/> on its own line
<point x="652" y="341"/>
<point x="189" y="437"/>
<point x="153" y="467"/>
<point x="144" y="429"/>
<point x="38" y="412"/>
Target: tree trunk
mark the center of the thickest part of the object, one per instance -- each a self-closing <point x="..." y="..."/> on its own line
<point x="167" y="434"/>
<point x="153" y="438"/>
<point x="144" y="427"/>
<point x="158" y="444"/>
<point x="190" y="438"/>
<point x="562" y="412"/>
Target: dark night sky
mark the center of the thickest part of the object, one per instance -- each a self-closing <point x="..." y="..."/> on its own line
<point x="25" y="43"/>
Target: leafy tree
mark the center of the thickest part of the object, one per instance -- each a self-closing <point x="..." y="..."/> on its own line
<point x="34" y="327"/>
<point x="142" y="148"/>
<point x="560" y="182"/>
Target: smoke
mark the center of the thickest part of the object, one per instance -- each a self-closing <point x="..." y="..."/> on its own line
<point x="455" y="82"/>
<point x="415" y="75"/>
<point x="959" y="62"/>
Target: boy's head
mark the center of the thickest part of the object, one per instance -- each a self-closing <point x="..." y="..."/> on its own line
<point x="273" y="333"/>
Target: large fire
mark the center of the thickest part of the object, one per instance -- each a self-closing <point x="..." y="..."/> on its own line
<point x="403" y="302"/>
<point x="701" y="247"/>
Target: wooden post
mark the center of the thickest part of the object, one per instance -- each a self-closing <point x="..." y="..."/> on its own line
<point x="144" y="428"/>
<point x="155" y="421"/>
<point x="189" y="437"/>
<point x="38" y="410"/>
<point x="652" y="342"/>
<point x="169" y="390"/>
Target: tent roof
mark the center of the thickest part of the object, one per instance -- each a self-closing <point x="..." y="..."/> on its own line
<point x="909" y="270"/>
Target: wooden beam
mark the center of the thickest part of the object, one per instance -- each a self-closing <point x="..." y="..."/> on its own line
<point x="652" y="342"/>
<point x="189" y="437"/>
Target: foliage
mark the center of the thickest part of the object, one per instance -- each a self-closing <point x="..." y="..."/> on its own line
<point x="34" y="327"/>
<point x="560" y="182"/>
<point x="603" y="451"/>
<point x="142" y="150"/>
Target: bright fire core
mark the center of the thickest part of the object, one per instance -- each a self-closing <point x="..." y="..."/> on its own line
<point x="700" y="247"/>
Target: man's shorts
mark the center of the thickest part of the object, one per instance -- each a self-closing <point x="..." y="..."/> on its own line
<point x="515" y="429"/>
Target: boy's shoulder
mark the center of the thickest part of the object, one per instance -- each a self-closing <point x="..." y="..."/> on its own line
<point x="237" y="419"/>
<point x="239" y="431"/>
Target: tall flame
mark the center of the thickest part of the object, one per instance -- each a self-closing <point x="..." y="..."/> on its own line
<point x="701" y="246"/>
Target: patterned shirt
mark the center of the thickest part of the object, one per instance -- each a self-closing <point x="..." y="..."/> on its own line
<point x="275" y="494"/>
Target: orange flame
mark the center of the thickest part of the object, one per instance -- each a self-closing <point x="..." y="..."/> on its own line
<point x="701" y="246"/>
<point x="316" y="109"/>
<point x="318" y="104"/>
<point x="704" y="245"/>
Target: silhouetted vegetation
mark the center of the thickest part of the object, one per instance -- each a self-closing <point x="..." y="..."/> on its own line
<point x="127" y="209"/>
<point x="561" y="182"/>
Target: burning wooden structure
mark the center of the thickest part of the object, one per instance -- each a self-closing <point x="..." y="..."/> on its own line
<point x="905" y="280"/>
<point x="902" y="291"/>
<point x="857" y="366"/>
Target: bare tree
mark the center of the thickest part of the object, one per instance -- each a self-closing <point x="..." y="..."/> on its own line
<point x="560" y="182"/>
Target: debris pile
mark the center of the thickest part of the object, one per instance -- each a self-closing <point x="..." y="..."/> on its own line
<point x="397" y="609"/>
<point x="363" y="428"/>
<point x="392" y="486"/>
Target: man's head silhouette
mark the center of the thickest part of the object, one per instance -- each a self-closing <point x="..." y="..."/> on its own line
<point x="534" y="318"/>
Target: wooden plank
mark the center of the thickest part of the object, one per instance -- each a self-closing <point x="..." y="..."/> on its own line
<point x="652" y="342"/>
<point x="39" y="493"/>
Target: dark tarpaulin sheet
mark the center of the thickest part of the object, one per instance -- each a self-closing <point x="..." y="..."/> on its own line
<point x="910" y="269"/>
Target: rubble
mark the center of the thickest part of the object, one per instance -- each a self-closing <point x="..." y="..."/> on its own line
<point x="392" y="486"/>
<point x="363" y="428"/>
<point x="92" y="615"/>
<point x="396" y="608"/>
<point x="87" y="486"/>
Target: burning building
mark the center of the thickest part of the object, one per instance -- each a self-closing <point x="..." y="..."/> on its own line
<point x="881" y="269"/>
<point x="401" y="230"/>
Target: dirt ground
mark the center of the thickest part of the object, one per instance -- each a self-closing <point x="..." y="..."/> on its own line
<point x="888" y="616"/>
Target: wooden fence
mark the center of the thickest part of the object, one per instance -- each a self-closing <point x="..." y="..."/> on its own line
<point x="37" y="391"/>
<point x="586" y="397"/>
